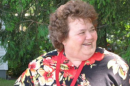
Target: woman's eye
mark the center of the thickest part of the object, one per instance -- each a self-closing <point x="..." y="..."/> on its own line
<point x="82" y="33"/>
<point x="92" y="30"/>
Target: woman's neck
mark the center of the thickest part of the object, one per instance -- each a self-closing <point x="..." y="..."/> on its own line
<point x="76" y="63"/>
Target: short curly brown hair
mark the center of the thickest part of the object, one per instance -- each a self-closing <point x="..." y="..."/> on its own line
<point x="58" y="27"/>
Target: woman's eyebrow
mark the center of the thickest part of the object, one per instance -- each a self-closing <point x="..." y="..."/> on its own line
<point x="92" y="27"/>
<point x="83" y="29"/>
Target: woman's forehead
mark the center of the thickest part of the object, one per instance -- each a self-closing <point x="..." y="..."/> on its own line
<point x="72" y="19"/>
<point x="78" y="20"/>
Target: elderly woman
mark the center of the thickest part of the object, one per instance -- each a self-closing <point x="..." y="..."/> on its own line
<point x="76" y="60"/>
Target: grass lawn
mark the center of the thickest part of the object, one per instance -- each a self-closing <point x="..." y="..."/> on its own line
<point x="4" y="82"/>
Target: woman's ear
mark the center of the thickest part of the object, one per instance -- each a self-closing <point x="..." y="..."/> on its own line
<point x="64" y="42"/>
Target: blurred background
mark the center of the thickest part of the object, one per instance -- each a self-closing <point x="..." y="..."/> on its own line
<point x="24" y="30"/>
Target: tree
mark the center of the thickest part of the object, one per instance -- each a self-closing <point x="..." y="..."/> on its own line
<point x="26" y="32"/>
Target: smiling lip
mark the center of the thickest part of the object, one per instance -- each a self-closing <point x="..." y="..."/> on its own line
<point x="87" y="44"/>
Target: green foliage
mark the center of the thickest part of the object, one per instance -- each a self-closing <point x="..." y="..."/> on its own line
<point x="26" y="34"/>
<point x="126" y="54"/>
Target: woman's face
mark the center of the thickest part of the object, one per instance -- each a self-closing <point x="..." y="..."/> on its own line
<point x="81" y="41"/>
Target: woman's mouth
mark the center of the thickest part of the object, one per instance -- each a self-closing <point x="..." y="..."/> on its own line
<point x="87" y="44"/>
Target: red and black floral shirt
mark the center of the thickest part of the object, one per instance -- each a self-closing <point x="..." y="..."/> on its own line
<point x="102" y="69"/>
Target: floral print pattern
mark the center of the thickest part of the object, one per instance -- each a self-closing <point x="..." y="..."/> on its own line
<point x="85" y="82"/>
<point x="42" y="71"/>
<point x="118" y="66"/>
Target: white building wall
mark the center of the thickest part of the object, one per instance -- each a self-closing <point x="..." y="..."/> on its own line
<point x="3" y="65"/>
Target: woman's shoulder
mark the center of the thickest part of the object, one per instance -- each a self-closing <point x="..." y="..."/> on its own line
<point x="47" y="54"/>
<point x="51" y="53"/>
<point x="111" y="59"/>
<point x="38" y="62"/>
<point x="115" y="63"/>
<point x="107" y="54"/>
<point x="36" y="68"/>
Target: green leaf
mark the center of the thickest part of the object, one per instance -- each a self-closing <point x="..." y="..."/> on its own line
<point x="4" y="2"/>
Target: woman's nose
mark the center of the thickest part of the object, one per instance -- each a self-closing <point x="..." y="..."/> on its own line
<point x="88" y="35"/>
